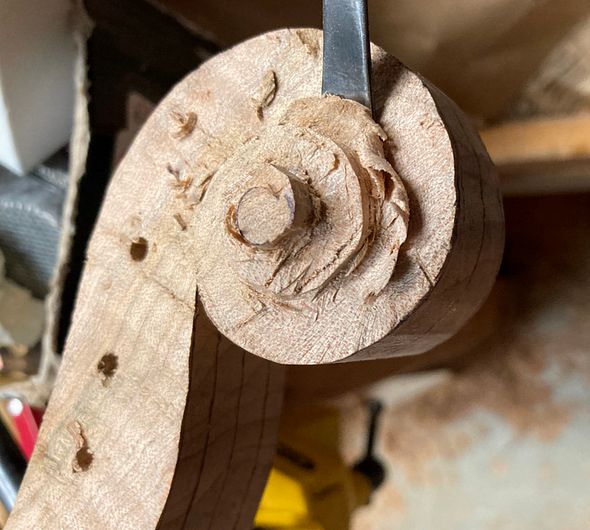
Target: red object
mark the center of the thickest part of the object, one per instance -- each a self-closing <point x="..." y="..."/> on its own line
<point x="26" y="421"/>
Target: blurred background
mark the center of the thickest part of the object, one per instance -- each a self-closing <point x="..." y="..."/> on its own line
<point x="488" y="431"/>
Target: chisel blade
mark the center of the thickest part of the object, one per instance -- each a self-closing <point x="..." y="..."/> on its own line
<point x="347" y="55"/>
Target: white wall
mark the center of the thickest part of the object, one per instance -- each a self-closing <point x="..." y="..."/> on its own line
<point x="37" y="54"/>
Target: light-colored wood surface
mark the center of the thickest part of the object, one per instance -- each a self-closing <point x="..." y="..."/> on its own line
<point x="228" y="435"/>
<point x="539" y="140"/>
<point x="541" y="156"/>
<point x="309" y="384"/>
<point x="407" y="232"/>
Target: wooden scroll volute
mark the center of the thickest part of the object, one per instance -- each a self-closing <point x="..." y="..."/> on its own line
<point x="327" y="236"/>
<point x="310" y="232"/>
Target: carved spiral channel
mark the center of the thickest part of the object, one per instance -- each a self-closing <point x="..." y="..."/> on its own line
<point x="307" y="211"/>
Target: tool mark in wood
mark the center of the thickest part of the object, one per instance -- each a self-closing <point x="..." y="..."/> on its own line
<point x="180" y="220"/>
<point x="138" y="249"/>
<point x="309" y="41"/>
<point x="184" y="124"/>
<point x="84" y="456"/>
<point x="265" y="93"/>
<point x="181" y="182"/>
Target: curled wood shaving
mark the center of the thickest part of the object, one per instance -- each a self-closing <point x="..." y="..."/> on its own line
<point x="184" y="124"/>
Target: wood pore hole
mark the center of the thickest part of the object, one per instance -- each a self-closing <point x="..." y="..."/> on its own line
<point x="138" y="249"/>
<point x="84" y="458"/>
<point x="107" y="366"/>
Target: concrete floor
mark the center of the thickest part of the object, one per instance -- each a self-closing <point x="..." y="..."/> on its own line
<point x="500" y="439"/>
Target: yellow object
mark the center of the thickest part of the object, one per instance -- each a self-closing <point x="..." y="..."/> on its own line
<point x="284" y="505"/>
<point x="310" y="487"/>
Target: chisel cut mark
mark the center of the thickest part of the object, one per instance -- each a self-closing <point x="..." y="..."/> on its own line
<point x="107" y="366"/>
<point x="84" y="456"/>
